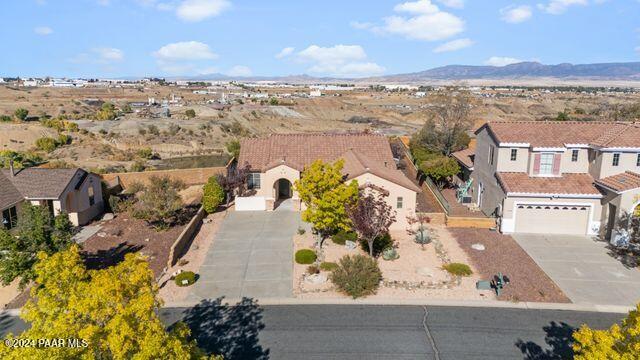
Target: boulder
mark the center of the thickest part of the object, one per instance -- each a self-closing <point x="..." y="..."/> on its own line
<point x="478" y="247"/>
<point x="316" y="279"/>
<point x="351" y="245"/>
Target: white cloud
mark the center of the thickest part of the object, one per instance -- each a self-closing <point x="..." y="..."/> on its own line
<point x="557" y="7"/>
<point x="339" y="61"/>
<point x="516" y="14"/>
<point x="184" y="57"/>
<point x="285" y="52"/>
<point x="453" y="45"/>
<point x="458" y="4"/>
<point x="418" y="20"/>
<point x="501" y="61"/>
<point x="198" y="10"/>
<point x="108" y="55"/>
<point x="239" y="70"/>
<point x="186" y="50"/>
<point x="43" y="30"/>
<point x="361" y="25"/>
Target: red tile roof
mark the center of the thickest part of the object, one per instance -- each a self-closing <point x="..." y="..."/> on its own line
<point x="362" y="153"/>
<point x="567" y="184"/>
<point x="560" y="133"/>
<point x="621" y="182"/>
<point x="465" y="157"/>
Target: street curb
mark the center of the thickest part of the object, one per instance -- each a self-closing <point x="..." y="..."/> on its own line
<point x="425" y="302"/>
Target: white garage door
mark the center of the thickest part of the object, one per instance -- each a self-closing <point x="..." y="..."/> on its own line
<point x="552" y="219"/>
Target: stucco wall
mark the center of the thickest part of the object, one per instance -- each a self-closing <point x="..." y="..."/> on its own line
<point x="578" y="167"/>
<point x="485" y="173"/>
<point x="519" y="165"/>
<point x="627" y="162"/>
<point x="395" y="191"/>
<point x="269" y="178"/>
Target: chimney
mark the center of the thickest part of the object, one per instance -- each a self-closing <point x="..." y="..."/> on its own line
<point x="11" y="168"/>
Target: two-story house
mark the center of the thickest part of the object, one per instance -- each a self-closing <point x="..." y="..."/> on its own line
<point x="558" y="177"/>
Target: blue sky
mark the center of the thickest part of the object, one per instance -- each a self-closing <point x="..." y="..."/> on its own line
<point x="348" y="38"/>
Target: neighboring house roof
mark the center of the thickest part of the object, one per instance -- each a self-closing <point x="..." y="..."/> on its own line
<point x="9" y="195"/>
<point x="362" y="153"/>
<point x="465" y="157"/>
<point x="621" y="182"/>
<point x="561" y="133"/>
<point x="568" y="184"/>
<point x="41" y="183"/>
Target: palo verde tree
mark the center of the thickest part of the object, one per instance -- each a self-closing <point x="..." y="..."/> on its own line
<point x="371" y="216"/>
<point x="618" y="342"/>
<point x="112" y="313"/>
<point x="323" y="190"/>
<point x="36" y="231"/>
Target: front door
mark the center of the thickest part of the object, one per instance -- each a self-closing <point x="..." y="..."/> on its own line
<point x="284" y="189"/>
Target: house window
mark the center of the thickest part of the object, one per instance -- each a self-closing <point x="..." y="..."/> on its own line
<point x="574" y="155"/>
<point x="616" y="159"/>
<point x="254" y="181"/>
<point x="546" y="163"/>
<point x="9" y="217"/>
<point x="491" y="152"/>
<point x="514" y="154"/>
<point x="638" y="160"/>
<point x="399" y="202"/>
<point x="92" y="199"/>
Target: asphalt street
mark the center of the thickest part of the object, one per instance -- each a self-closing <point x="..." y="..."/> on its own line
<point x="249" y="331"/>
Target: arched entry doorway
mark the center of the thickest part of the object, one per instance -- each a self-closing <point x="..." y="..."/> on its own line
<point x="282" y="189"/>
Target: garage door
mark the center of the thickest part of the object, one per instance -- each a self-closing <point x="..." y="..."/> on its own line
<point x="552" y="219"/>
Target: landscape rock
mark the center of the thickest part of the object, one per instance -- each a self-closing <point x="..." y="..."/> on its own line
<point x="350" y="245"/>
<point x="101" y="234"/>
<point x="478" y="247"/>
<point x="316" y="279"/>
<point x="107" y="216"/>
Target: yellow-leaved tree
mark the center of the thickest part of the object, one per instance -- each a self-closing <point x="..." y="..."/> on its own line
<point x="114" y="310"/>
<point x="616" y="343"/>
<point x="323" y="190"/>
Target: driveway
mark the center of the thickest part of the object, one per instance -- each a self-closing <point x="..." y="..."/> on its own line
<point x="251" y="255"/>
<point x="582" y="268"/>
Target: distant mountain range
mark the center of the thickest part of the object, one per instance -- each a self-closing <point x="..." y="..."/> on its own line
<point x="523" y="71"/>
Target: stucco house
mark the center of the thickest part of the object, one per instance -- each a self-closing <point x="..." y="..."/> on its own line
<point x="74" y="191"/>
<point x="557" y="177"/>
<point x="277" y="161"/>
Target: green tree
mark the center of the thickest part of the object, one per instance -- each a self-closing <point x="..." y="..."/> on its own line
<point x="190" y="113"/>
<point x="618" y="342"/>
<point x="160" y="202"/>
<point x="114" y="310"/>
<point x="562" y="116"/>
<point x="21" y="113"/>
<point x="36" y="232"/>
<point x="323" y="190"/>
<point x="213" y="195"/>
<point x="273" y="101"/>
<point x="107" y="112"/>
<point x="47" y="144"/>
<point x="233" y="147"/>
<point x="440" y="169"/>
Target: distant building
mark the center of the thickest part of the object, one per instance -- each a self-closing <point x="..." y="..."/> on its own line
<point x="315" y="93"/>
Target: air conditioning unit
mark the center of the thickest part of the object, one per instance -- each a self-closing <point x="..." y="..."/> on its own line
<point x="467" y="200"/>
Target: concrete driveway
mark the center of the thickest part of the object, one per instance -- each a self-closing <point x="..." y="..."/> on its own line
<point x="582" y="268"/>
<point x="251" y="255"/>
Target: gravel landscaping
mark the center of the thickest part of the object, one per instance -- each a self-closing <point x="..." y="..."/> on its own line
<point x="503" y="254"/>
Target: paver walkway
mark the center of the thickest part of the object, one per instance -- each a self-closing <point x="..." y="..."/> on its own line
<point x="251" y="255"/>
<point x="582" y="268"/>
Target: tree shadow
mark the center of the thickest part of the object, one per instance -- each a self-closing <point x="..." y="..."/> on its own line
<point x="228" y="330"/>
<point x="102" y="259"/>
<point x="558" y="339"/>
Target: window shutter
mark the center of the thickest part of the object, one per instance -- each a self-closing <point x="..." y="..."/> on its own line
<point x="536" y="164"/>
<point x="556" y="164"/>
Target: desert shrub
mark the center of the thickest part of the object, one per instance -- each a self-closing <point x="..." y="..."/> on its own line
<point x="21" y="113"/>
<point x="328" y="266"/>
<point x="312" y="270"/>
<point x="190" y="113"/>
<point x="341" y="237"/>
<point x="390" y="253"/>
<point x="160" y="203"/>
<point x="5" y="118"/>
<point x="138" y="166"/>
<point x="357" y="276"/>
<point x="379" y="244"/>
<point x="120" y="205"/>
<point x="305" y="256"/>
<point x="145" y="153"/>
<point x="213" y="195"/>
<point x="458" y="269"/>
<point x="47" y="144"/>
<point x="301" y="231"/>
<point x="189" y="276"/>
<point x="134" y="188"/>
